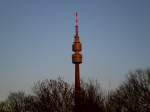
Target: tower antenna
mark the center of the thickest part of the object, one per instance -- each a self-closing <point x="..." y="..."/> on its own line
<point x="76" y="23"/>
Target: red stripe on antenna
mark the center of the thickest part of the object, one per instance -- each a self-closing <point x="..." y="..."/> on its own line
<point x="76" y="19"/>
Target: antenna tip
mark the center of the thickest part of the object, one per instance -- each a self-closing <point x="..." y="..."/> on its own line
<point x="76" y="19"/>
<point x="76" y="13"/>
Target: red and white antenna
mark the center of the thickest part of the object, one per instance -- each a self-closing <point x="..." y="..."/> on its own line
<point x="76" y="19"/>
<point x="76" y="23"/>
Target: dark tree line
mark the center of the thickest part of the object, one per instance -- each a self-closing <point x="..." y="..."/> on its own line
<point x="133" y="95"/>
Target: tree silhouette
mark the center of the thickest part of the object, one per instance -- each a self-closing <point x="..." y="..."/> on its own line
<point x="91" y="97"/>
<point x="133" y="95"/>
<point x="53" y="96"/>
<point x="14" y="103"/>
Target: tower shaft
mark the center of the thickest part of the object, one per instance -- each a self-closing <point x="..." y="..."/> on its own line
<point x="77" y="80"/>
<point x="77" y="88"/>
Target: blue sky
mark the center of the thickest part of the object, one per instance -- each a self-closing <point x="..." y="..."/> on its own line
<point x="36" y="38"/>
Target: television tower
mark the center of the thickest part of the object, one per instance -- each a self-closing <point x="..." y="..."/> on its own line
<point x="77" y="60"/>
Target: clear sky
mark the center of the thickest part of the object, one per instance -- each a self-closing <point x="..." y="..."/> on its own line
<point x="36" y="38"/>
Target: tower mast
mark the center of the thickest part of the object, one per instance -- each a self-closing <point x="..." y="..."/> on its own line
<point x="77" y="60"/>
